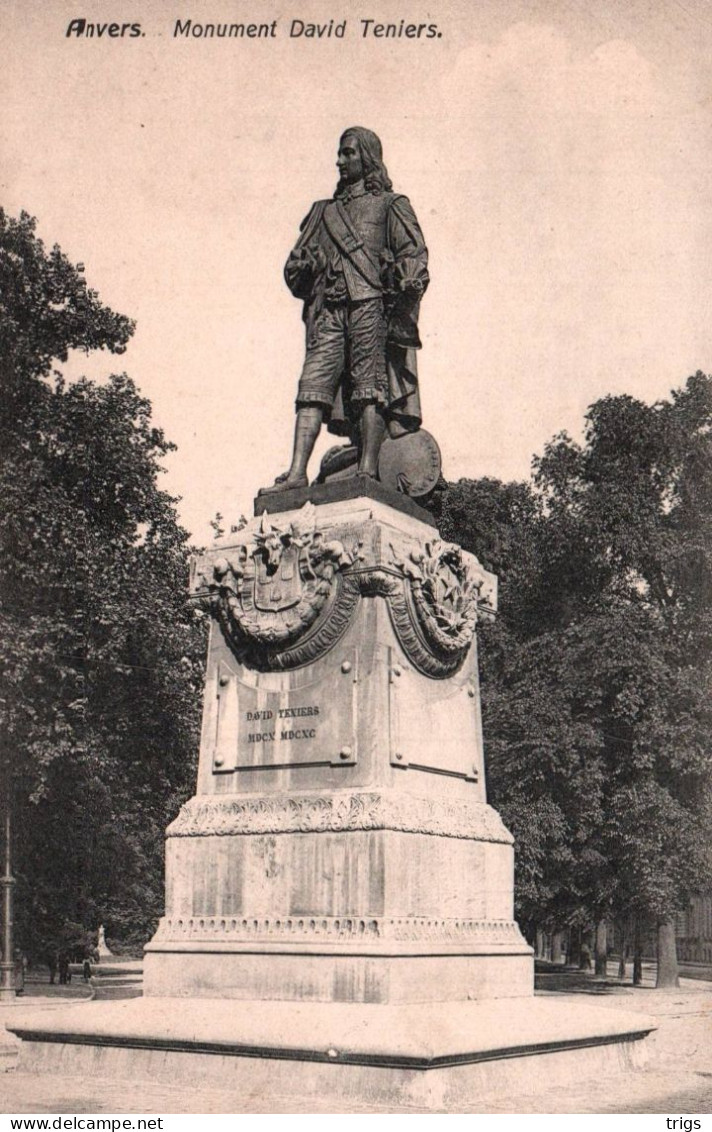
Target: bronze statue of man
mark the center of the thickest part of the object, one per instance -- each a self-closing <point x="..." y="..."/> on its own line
<point x="360" y="268"/>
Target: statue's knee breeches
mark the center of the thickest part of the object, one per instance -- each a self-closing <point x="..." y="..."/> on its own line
<point x="325" y="358"/>
<point x="348" y="340"/>
<point x="367" y="351"/>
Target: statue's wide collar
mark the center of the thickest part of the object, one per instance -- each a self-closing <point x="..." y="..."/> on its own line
<point x="352" y="191"/>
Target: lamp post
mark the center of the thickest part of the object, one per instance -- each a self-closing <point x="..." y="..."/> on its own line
<point x="7" y="967"/>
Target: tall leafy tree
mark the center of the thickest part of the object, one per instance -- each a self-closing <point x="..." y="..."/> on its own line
<point x="596" y="682"/>
<point x="100" y="655"/>
<point x="634" y="507"/>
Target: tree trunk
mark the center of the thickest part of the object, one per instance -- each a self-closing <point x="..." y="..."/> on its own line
<point x="539" y="949"/>
<point x="585" y="952"/>
<point x="622" y="937"/>
<point x="637" y="956"/>
<point x="668" y="975"/>
<point x="601" y="949"/>
<point x="556" y="950"/>
<point x="574" y="955"/>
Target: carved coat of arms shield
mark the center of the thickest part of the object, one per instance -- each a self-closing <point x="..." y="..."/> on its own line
<point x="277" y="586"/>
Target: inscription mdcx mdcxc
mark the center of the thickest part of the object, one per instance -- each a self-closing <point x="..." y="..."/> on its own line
<point x="279" y="731"/>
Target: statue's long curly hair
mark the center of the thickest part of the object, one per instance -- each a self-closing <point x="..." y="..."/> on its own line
<point x="375" y="174"/>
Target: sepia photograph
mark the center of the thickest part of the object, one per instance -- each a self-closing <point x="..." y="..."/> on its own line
<point x="355" y="559"/>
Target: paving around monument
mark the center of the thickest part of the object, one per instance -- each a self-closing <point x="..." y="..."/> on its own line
<point x="339" y="931"/>
<point x="676" y="1078"/>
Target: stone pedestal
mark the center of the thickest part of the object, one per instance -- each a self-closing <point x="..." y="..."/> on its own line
<point x="339" y="847"/>
<point x="338" y="892"/>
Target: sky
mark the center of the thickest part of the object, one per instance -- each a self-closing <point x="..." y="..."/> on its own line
<point x="557" y="155"/>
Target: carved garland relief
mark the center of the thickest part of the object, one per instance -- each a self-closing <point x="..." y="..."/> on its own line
<point x="286" y="594"/>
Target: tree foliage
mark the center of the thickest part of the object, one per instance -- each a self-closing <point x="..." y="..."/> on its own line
<point x="100" y="654"/>
<point x="597" y="676"/>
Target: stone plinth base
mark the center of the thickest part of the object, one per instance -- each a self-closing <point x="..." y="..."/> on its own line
<point x="434" y="1057"/>
<point x="228" y="855"/>
<point x="323" y="977"/>
<point x="339" y="491"/>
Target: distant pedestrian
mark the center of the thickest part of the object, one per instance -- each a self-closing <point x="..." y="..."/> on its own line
<point x="20" y="969"/>
<point x="52" y="964"/>
<point x="86" y="970"/>
<point x="64" y="975"/>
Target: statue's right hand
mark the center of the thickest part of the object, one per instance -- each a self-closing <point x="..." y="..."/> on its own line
<point x="311" y="258"/>
<point x="301" y="262"/>
<point x="303" y="266"/>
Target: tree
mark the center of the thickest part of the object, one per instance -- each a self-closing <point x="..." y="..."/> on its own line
<point x="100" y="656"/>
<point x="596" y="680"/>
<point x="634" y="508"/>
<point x="531" y="742"/>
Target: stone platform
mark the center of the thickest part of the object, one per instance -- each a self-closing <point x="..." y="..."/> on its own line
<point x="429" y="1056"/>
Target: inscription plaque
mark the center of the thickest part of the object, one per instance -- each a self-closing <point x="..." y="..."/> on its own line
<point x="275" y="720"/>
<point x="434" y="726"/>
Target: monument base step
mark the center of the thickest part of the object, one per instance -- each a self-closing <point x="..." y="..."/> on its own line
<point x="183" y="971"/>
<point x="432" y="1057"/>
